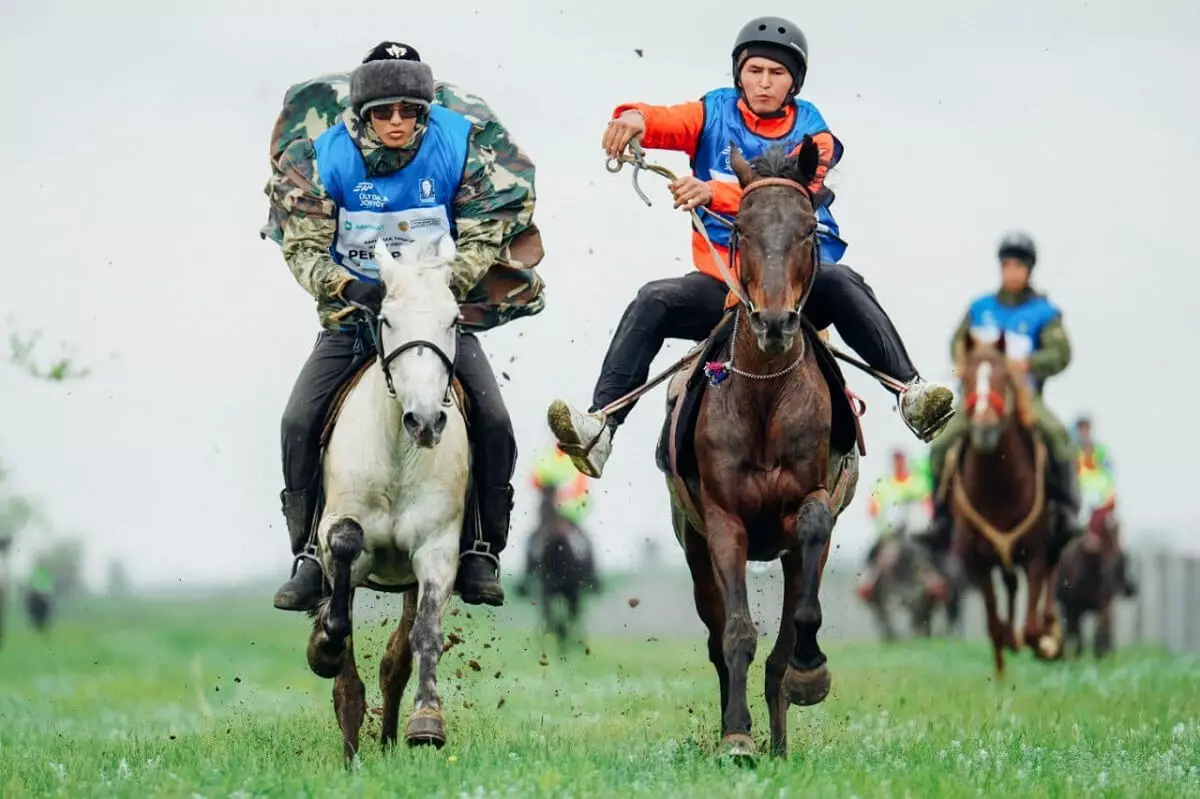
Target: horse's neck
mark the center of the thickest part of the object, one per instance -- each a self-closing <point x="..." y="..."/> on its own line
<point x="384" y="412"/>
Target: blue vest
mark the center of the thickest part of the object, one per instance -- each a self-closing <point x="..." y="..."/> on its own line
<point x="1022" y="324"/>
<point x="412" y="204"/>
<point x="722" y="123"/>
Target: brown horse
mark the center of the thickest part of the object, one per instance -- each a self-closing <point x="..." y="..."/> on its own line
<point x="1088" y="582"/>
<point x="752" y="470"/>
<point x="997" y="479"/>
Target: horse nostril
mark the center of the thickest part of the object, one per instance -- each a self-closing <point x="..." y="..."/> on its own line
<point x="439" y="424"/>
<point x="757" y="323"/>
<point x="411" y="424"/>
<point x="791" y="322"/>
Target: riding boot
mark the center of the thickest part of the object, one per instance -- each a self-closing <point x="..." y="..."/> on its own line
<point x="842" y="298"/>
<point x="1062" y="489"/>
<point x="303" y="590"/>
<point x="478" y="580"/>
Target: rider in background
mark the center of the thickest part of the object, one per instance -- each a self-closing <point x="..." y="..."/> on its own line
<point x="1084" y="441"/>
<point x="554" y="469"/>
<point x="1036" y="343"/>
<point x="564" y="494"/>
<point x="1098" y="488"/>
<point x="761" y="110"/>
<point x="893" y="494"/>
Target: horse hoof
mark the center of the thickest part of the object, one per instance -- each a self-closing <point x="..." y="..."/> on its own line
<point x="425" y="727"/>
<point x="325" y="659"/>
<point x="1048" y="648"/>
<point x="739" y="748"/>
<point x="807" y="687"/>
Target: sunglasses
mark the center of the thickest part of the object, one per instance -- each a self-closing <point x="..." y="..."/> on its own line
<point x="384" y="113"/>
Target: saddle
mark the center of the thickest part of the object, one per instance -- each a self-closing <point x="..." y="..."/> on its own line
<point x="675" y="454"/>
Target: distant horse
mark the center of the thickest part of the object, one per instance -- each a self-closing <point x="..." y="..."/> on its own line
<point x="5" y="544"/>
<point x="396" y="476"/>
<point x="559" y="557"/>
<point x="997" y="482"/>
<point x="39" y="605"/>
<point x="1088" y="582"/>
<point x="760" y="463"/>
<point x="904" y="573"/>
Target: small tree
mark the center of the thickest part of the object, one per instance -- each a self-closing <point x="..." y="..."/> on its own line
<point x="22" y="350"/>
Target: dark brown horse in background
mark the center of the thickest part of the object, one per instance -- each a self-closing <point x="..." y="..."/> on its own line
<point x="997" y="479"/>
<point x="763" y="482"/>
<point x="1088" y="582"/>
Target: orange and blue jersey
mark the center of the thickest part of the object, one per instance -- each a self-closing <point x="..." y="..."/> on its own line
<point x="703" y="129"/>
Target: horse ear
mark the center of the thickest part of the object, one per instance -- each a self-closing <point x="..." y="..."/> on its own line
<point x="741" y="167"/>
<point x="388" y="268"/>
<point x="807" y="159"/>
<point x="1000" y="343"/>
<point x="447" y="249"/>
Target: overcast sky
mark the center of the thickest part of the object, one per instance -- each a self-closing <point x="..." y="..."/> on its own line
<point x="136" y="138"/>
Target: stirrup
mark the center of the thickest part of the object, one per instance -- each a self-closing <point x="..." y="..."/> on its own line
<point x="309" y="553"/>
<point x="482" y="549"/>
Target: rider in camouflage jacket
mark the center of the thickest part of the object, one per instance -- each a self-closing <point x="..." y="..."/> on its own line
<point x="493" y="277"/>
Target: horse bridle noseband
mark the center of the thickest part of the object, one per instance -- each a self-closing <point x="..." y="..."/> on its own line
<point x="375" y="322"/>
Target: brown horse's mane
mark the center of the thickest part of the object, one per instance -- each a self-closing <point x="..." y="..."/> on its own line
<point x="776" y="163"/>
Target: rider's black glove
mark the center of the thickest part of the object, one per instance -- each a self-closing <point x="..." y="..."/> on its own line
<point x="367" y="294"/>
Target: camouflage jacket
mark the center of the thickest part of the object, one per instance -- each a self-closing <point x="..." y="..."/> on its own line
<point x="1053" y="353"/>
<point x="498" y="243"/>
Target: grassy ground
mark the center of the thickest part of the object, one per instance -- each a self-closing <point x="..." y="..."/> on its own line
<point x="215" y="699"/>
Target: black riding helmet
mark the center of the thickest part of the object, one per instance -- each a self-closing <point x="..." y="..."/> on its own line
<point x="777" y="39"/>
<point x="1020" y="246"/>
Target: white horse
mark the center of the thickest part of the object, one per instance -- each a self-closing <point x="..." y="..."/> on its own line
<point x="396" y="477"/>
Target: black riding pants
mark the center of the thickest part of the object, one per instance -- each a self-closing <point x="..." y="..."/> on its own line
<point x="690" y="306"/>
<point x="335" y="358"/>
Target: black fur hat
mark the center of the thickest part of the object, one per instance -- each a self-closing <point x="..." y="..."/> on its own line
<point x="390" y="73"/>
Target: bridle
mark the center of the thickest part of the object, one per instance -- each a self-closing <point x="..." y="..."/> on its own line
<point x="737" y="285"/>
<point x="991" y="398"/>
<point x="376" y="323"/>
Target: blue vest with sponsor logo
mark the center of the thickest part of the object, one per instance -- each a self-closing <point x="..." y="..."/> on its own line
<point x="723" y="123"/>
<point x="414" y="203"/>
<point x="1022" y="324"/>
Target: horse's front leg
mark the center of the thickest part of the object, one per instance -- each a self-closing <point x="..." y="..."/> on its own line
<point x="1035" y="575"/>
<point x="777" y="661"/>
<point x="807" y="679"/>
<point x="727" y="548"/>
<point x="1009" y="577"/>
<point x="332" y="627"/>
<point x="435" y="564"/>
<point x="349" y="703"/>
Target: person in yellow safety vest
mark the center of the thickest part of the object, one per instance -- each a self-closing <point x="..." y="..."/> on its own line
<point x="893" y="494"/>
<point x="554" y="468"/>
<point x="1098" y="489"/>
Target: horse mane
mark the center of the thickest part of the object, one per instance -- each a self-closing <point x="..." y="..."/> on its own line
<point x="800" y="165"/>
<point x="775" y="163"/>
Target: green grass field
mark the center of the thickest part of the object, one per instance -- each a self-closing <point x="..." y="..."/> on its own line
<point x="214" y="699"/>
